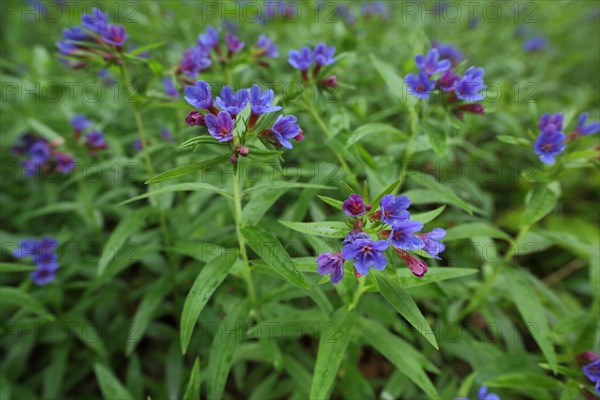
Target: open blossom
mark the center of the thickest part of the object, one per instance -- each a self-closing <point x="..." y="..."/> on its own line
<point x="589" y="129"/>
<point x="170" y="89"/>
<point x="40" y="152"/>
<point x="302" y="59"/>
<point x="95" y="140"/>
<point x="469" y="87"/>
<point x="323" y="55"/>
<point x="431" y="63"/>
<point x="232" y="102"/>
<point x="419" y="86"/>
<point x="403" y="235"/>
<point x="64" y="163"/>
<point x="366" y="254"/>
<point x="194" y="61"/>
<point x="115" y="35"/>
<point x="284" y="129"/>
<point x="199" y="95"/>
<point x="354" y="206"/>
<point x="75" y="34"/>
<point x="551" y="122"/>
<point x="234" y="44"/>
<point x="331" y="264"/>
<point x="267" y="47"/>
<point x="97" y="21"/>
<point x="393" y="209"/>
<point x="549" y="144"/>
<point x="42" y="253"/>
<point x="449" y="52"/>
<point x="220" y="126"/>
<point x="535" y="43"/>
<point x="447" y="82"/>
<point x="432" y="244"/>
<point x="209" y="39"/>
<point x="261" y="102"/>
<point x="592" y="372"/>
<point x="79" y="122"/>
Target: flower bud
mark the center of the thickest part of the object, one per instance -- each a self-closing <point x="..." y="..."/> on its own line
<point x="194" y="118"/>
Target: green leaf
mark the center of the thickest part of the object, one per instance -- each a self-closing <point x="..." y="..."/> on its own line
<point x="188" y="169"/>
<point x="110" y="386"/>
<point x="514" y="140"/>
<point x="151" y="46"/>
<point x="443" y="191"/>
<point x="331" y="229"/>
<point x="369" y="129"/>
<point x="263" y="154"/>
<point x="405" y="358"/>
<point x="394" y="82"/>
<point x="192" y="392"/>
<point x="268" y="248"/>
<point x="331" y="352"/>
<point x="12" y="267"/>
<point x="473" y="229"/>
<point x="402" y="302"/>
<point x="17" y="297"/>
<point x="144" y="314"/>
<point x="532" y="311"/>
<point x="428" y="216"/>
<point x="437" y="138"/>
<point x="212" y="275"/>
<point x="225" y="343"/>
<point x="539" y="202"/>
<point x="43" y="129"/>
<point x="259" y="204"/>
<point x="198" y="140"/>
<point x="181" y="187"/>
<point x="332" y="202"/>
<point x="285" y="185"/>
<point x="127" y="227"/>
<point x="407" y="279"/>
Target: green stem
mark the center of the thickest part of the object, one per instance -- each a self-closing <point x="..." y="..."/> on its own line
<point x="237" y="199"/>
<point x="313" y="112"/>
<point x="359" y="291"/>
<point x="414" y="131"/>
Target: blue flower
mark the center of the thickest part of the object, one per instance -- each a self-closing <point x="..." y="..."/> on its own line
<point x="232" y="102"/>
<point x="115" y="35"/>
<point x="449" y="52"/>
<point x="549" y="144"/>
<point x="419" y="86"/>
<point x="220" y="126"/>
<point x="403" y="235"/>
<point x="284" y="129"/>
<point x="267" y="47"/>
<point x="393" y="209"/>
<point x="44" y="274"/>
<point x="536" y="43"/>
<point x="234" y="44"/>
<point x="64" y="163"/>
<point x="331" y="264"/>
<point x="199" y="95"/>
<point x="79" y="122"/>
<point x="468" y="88"/>
<point x="484" y="395"/>
<point x="302" y="59"/>
<point x="170" y="87"/>
<point x="26" y="248"/>
<point x="323" y="55"/>
<point x="377" y="8"/>
<point x="447" y="82"/>
<point x="95" y="140"/>
<point x="194" y="60"/>
<point x="97" y="21"/>
<point x="366" y="254"/>
<point x="551" y="123"/>
<point x="66" y="46"/>
<point x="431" y="63"/>
<point x="592" y="371"/>
<point x="166" y="135"/>
<point x="261" y="102"/>
<point x="40" y="152"/>
<point x="42" y="253"/>
<point x="209" y="39"/>
<point x="433" y="246"/>
<point x="583" y="129"/>
<point x="354" y="206"/>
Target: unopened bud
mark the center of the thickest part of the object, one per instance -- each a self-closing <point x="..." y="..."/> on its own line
<point x="194" y="118"/>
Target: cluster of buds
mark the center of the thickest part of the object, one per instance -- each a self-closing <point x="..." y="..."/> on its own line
<point x="43" y="155"/>
<point x="305" y="58"/>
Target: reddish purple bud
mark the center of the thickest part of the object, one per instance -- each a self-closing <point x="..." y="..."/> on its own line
<point x="194" y="118"/>
<point x="384" y="234"/>
<point x="416" y="265"/>
<point x="474" y="108"/>
<point x="357" y="274"/>
<point x="299" y="136"/>
<point x="234" y="158"/>
<point x="354" y="206"/>
<point x="368" y="207"/>
<point x="330" y="81"/>
<point x="242" y="150"/>
<point x="375" y="216"/>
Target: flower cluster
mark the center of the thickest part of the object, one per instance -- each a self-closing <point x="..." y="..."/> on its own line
<point x="94" y="140"/>
<point x="223" y="110"/>
<point x="483" y="395"/>
<point x="200" y="57"/>
<point x="552" y="141"/>
<point x="304" y="58"/>
<point x="93" y="37"/>
<point x="43" y="155"/>
<point x="392" y="223"/>
<point x="440" y="61"/>
<point x="42" y="253"/>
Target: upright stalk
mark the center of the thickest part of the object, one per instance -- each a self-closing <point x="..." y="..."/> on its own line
<point x="414" y="131"/>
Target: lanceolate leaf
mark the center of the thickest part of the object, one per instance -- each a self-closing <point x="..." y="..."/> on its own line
<point x="332" y="229"/>
<point x="109" y="384"/>
<point x="181" y="187"/>
<point x="376" y="128"/>
<point x="192" y="392"/>
<point x="540" y="201"/>
<point x="23" y="300"/>
<point x="188" y="169"/>
<point x="473" y="229"/>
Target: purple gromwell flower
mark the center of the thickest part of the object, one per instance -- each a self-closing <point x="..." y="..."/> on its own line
<point x="166" y="135"/>
<point x="331" y="264"/>
<point x="354" y="206"/>
<point x="415" y="264"/>
<point x="43" y="275"/>
<point x="220" y="126"/>
<point x="419" y="86"/>
<point x="115" y="35"/>
<point x="323" y="55"/>
<point x="194" y="118"/>
<point x="261" y="102"/>
<point x="393" y="209"/>
<point x="79" y="122"/>
<point x="469" y="87"/>
<point x="366" y="254"/>
<point x="449" y="52"/>
<point x="170" y="87"/>
<point x="209" y="39"/>
<point x="536" y="43"/>
<point x="433" y="246"/>
<point x="97" y="21"/>
<point x="40" y="152"/>
<point x="267" y="47"/>
<point x="592" y="372"/>
<point x="95" y="140"/>
<point x="302" y="59"/>
<point x="234" y="44"/>
<point x="431" y="63"/>
<point x="64" y="163"/>
<point x="551" y="122"/>
<point x="199" y="95"/>
<point x="137" y="145"/>
<point x="447" y="82"/>
<point x="194" y="60"/>
<point x="484" y="395"/>
<point x="589" y="129"/>
<point x="26" y="248"/>
<point x="284" y="129"/>
<point x="403" y="235"/>
<point x="232" y="102"/>
<point x="549" y="144"/>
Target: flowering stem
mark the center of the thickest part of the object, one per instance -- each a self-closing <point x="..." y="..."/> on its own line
<point x="359" y="291"/>
<point x="237" y="199"/>
<point x="414" y="131"/>
<point x="311" y="109"/>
